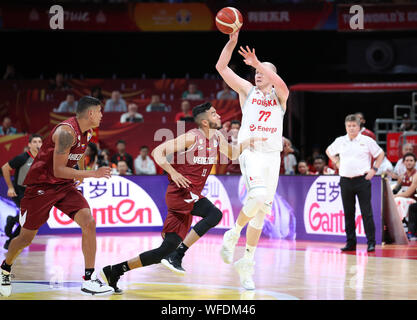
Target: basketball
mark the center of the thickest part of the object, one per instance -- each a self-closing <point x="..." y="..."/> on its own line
<point x="229" y="20"/>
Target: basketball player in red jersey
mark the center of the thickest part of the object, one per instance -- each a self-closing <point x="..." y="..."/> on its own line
<point x="195" y="153"/>
<point x="51" y="181"/>
<point x="407" y="183"/>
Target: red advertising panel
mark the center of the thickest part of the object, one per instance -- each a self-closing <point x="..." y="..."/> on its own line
<point x="381" y="17"/>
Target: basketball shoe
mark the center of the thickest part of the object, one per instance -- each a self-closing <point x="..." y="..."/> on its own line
<point x="111" y="278"/>
<point x="173" y="262"/>
<point x="245" y="268"/>
<point x="95" y="287"/>
<point x="5" y="285"/>
<point x="227" y="251"/>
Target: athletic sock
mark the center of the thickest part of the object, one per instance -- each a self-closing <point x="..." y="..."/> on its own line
<point x="182" y="248"/>
<point x="121" y="268"/>
<point x="237" y="228"/>
<point x="88" y="273"/>
<point x="6" y="267"/>
<point x="249" y="252"/>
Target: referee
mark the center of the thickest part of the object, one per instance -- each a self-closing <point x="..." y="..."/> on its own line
<point x="21" y="164"/>
<point x="355" y="169"/>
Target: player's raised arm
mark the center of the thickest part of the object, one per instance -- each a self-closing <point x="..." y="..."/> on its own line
<point x="235" y="82"/>
<point x="64" y="139"/>
<point x="234" y="151"/>
<point x="279" y="84"/>
<point x="161" y="152"/>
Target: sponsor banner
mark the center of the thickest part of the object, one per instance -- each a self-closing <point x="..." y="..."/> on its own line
<point x="173" y="17"/>
<point x="304" y="207"/>
<point x="381" y="17"/>
<point x="289" y="17"/>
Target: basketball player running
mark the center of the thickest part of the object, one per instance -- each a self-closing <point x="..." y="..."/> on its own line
<point x="195" y="153"/>
<point x="51" y="181"/>
<point x="263" y="108"/>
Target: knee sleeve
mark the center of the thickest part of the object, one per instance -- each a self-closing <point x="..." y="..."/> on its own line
<point x="210" y="213"/>
<point x="255" y="202"/>
<point x="257" y="221"/>
<point x="170" y="243"/>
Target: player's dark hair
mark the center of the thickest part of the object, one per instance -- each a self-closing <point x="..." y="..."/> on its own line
<point x="235" y="122"/>
<point x="320" y="157"/>
<point x="409" y="154"/>
<point x="85" y="103"/>
<point x="144" y="147"/>
<point x="200" y="110"/>
<point x="120" y="141"/>
<point x="33" y="136"/>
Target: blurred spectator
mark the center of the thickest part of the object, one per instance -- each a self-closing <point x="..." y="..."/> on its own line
<point x="286" y="149"/>
<point x="364" y="131"/>
<point x="156" y="104"/>
<point x="226" y="93"/>
<point x="310" y="159"/>
<point x="122" y="155"/>
<point x="10" y="73"/>
<point x="59" y="83"/>
<point x="290" y="161"/>
<point x="115" y="103"/>
<point x="302" y="168"/>
<point x="385" y="168"/>
<point x="233" y="167"/>
<point x="320" y="165"/>
<point x="7" y="128"/>
<point x="96" y="93"/>
<point x="406" y="124"/>
<point x="185" y="114"/>
<point x="121" y="169"/>
<point x="399" y="168"/>
<point x="103" y="159"/>
<point x="143" y="163"/>
<point x="192" y="93"/>
<point x="91" y="157"/>
<point x="69" y="105"/>
<point x="132" y="114"/>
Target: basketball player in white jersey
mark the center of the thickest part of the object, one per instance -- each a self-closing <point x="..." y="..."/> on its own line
<point x="263" y="108"/>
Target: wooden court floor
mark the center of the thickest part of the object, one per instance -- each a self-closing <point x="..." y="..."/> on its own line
<point x="52" y="267"/>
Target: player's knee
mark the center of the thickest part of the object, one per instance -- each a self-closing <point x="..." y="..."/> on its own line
<point x="258" y="220"/>
<point x="254" y="203"/>
<point x="170" y="243"/>
<point x="212" y="219"/>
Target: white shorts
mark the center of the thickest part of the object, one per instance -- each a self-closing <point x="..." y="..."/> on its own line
<point x="261" y="171"/>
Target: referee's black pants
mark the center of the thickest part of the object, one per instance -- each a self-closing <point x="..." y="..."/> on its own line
<point x="349" y="188"/>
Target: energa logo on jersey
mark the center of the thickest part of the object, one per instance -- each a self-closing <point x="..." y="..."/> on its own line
<point x="215" y="191"/>
<point x="115" y="202"/>
<point x="323" y="209"/>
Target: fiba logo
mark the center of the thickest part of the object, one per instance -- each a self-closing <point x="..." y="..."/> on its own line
<point x="183" y="16"/>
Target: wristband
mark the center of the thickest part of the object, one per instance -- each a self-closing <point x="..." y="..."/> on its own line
<point x="376" y="169"/>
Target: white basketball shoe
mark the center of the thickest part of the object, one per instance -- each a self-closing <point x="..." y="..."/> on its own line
<point x="96" y="287"/>
<point x="5" y="285"/>
<point x="245" y="268"/>
<point x="230" y="240"/>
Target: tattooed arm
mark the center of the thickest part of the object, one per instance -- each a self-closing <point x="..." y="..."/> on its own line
<point x="64" y="138"/>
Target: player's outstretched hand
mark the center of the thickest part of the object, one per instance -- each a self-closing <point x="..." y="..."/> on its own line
<point x="103" y="172"/>
<point x="249" y="56"/>
<point x="180" y="180"/>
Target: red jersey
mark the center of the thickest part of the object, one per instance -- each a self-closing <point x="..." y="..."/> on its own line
<point x="196" y="162"/>
<point x="369" y="133"/>
<point x="42" y="169"/>
<point x="407" y="179"/>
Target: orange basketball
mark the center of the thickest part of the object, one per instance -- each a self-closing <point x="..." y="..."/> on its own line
<point x="229" y="20"/>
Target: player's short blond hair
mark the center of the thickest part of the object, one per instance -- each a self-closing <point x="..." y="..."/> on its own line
<point x="270" y="65"/>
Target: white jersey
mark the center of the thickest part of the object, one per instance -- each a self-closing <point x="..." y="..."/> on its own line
<point x="262" y="116"/>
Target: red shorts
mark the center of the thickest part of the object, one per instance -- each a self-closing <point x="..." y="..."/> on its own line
<point x="39" y="200"/>
<point x="179" y="216"/>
